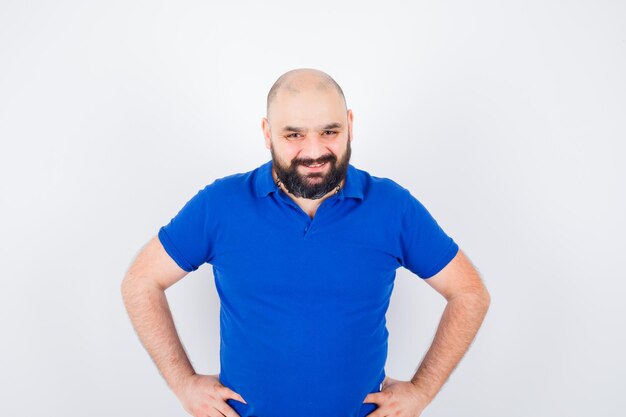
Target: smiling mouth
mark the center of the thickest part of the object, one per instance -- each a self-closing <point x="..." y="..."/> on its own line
<point x="315" y="165"/>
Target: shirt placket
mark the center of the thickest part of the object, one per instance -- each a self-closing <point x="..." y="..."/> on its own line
<point x="308" y="224"/>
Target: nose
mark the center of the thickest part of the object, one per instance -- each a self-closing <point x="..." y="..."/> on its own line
<point x="313" y="147"/>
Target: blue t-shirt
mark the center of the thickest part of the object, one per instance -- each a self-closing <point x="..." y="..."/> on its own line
<point x="303" y="301"/>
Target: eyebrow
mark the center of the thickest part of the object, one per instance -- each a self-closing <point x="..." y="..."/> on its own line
<point x="300" y="129"/>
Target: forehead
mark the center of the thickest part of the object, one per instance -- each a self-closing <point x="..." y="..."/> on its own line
<point x="307" y="108"/>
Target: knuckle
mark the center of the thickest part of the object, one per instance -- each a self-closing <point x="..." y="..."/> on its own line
<point x="227" y="410"/>
<point x="232" y="413"/>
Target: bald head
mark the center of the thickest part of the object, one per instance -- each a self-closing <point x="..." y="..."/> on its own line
<point x="301" y="79"/>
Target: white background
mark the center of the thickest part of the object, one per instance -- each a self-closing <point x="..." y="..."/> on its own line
<point x="506" y="119"/>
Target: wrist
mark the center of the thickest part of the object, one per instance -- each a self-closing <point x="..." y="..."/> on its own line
<point x="422" y="392"/>
<point x="179" y="386"/>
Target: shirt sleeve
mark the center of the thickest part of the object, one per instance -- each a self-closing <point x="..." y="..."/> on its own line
<point x="188" y="237"/>
<point x="426" y="248"/>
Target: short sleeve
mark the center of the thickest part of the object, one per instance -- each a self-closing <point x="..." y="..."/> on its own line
<point x="187" y="238"/>
<point x="426" y="248"/>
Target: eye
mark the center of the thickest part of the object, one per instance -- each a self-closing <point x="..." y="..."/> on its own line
<point x="330" y="132"/>
<point x="291" y="136"/>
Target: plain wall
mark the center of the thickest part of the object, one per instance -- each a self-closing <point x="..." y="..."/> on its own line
<point x="505" y="119"/>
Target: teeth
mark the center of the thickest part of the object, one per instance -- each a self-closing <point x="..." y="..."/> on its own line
<point x="315" y="166"/>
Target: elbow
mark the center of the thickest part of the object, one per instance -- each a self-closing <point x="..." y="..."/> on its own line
<point x="483" y="296"/>
<point x="131" y="287"/>
<point x="486" y="298"/>
<point x="477" y="299"/>
<point x="134" y="285"/>
<point x="126" y="287"/>
<point x="483" y="301"/>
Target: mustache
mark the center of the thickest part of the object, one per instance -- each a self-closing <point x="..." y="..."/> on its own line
<point x="314" y="162"/>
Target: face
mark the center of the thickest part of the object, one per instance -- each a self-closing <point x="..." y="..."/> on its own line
<point x="307" y="129"/>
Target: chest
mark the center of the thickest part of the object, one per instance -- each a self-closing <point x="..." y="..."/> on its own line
<point x="341" y="254"/>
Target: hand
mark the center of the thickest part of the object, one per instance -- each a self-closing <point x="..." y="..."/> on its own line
<point x="398" y="399"/>
<point x="205" y="396"/>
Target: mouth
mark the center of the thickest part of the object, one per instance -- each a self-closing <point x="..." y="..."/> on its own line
<point x="315" y="167"/>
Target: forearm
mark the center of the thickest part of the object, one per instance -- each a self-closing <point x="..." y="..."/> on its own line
<point x="457" y="328"/>
<point x="151" y="317"/>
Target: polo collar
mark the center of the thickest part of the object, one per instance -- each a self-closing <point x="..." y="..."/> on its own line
<point x="264" y="182"/>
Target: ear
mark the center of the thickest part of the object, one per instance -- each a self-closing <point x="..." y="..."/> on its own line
<point x="267" y="135"/>
<point x="350" y="117"/>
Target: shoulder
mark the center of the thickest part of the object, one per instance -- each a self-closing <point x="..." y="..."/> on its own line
<point x="380" y="187"/>
<point x="229" y="187"/>
<point x="229" y="182"/>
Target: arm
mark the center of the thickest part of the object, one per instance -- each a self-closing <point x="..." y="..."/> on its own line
<point x="467" y="304"/>
<point x="143" y="291"/>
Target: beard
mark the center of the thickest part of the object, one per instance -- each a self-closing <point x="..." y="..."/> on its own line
<point x="306" y="186"/>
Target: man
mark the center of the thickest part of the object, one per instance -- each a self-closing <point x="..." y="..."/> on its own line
<point x="304" y="251"/>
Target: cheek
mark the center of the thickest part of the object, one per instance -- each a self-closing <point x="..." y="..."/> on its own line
<point x="339" y="150"/>
<point x="291" y="150"/>
<point x="286" y="152"/>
